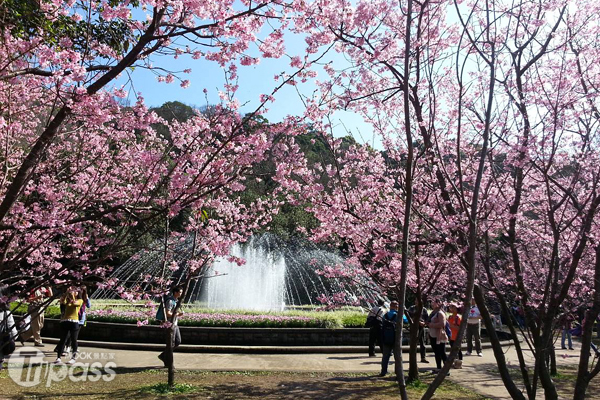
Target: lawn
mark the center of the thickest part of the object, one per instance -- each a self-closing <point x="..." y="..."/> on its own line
<point x="146" y="384"/>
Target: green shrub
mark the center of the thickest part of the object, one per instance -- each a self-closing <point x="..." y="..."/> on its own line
<point x="196" y="315"/>
<point x="354" y="320"/>
<point x="52" y="311"/>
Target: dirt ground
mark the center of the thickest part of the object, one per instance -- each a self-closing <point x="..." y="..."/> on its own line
<point x="133" y="384"/>
<point x="565" y="382"/>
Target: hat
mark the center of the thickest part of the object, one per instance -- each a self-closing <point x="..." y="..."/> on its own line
<point x="454" y="304"/>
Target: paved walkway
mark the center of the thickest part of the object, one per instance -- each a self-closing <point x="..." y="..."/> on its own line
<point x="478" y="373"/>
<point x="481" y="375"/>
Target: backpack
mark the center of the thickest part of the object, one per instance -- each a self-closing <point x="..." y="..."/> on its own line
<point x="373" y="321"/>
<point x="448" y="330"/>
<point x="160" y="314"/>
<point x="388" y="331"/>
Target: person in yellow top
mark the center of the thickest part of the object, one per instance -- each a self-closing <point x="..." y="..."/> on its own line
<point x="69" y="323"/>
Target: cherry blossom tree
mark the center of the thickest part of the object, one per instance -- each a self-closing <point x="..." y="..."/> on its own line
<point x="359" y="202"/>
<point x="501" y="101"/>
<point x="548" y="233"/>
<point x="79" y="169"/>
<point x="486" y="114"/>
<point x="386" y="84"/>
<point x="84" y="176"/>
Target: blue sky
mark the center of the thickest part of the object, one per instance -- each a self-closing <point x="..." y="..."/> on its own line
<point x="253" y="81"/>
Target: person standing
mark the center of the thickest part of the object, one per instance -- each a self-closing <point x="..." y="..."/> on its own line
<point x="69" y="323"/>
<point x="388" y="336"/>
<point x="374" y="319"/>
<point x="82" y="317"/>
<point x="567" y="325"/>
<point x="437" y="332"/>
<point x="165" y="314"/>
<point x="36" y="311"/>
<point x="7" y="325"/>
<point x="421" y="334"/>
<point x="474" y="329"/>
<point x="454" y="321"/>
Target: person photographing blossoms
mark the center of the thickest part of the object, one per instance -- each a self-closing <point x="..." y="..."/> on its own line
<point x="69" y="323"/>
<point x="82" y="319"/>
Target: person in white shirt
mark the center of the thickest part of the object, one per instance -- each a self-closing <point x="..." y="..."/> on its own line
<point x="474" y="329"/>
<point x="376" y="313"/>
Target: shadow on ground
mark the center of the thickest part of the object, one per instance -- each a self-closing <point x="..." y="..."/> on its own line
<point x="133" y="384"/>
<point x="330" y="389"/>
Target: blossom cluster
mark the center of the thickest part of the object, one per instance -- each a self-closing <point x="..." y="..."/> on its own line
<point x="207" y="319"/>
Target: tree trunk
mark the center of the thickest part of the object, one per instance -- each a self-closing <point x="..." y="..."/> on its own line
<point x="522" y="365"/>
<point x="510" y="385"/>
<point x="169" y="357"/>
<point x="508" y="318"/>
<point x="415" y="327"/>
<point x="413" y="369"/>
<point x="543" y="344"/>
<point x="408" y="185"/>
<point x="553" y="369"/>
<point x="583" y="374"/>
<point x="398" y="365"/>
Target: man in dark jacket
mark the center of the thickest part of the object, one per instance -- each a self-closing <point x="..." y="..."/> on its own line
<point x="421" y="334"/>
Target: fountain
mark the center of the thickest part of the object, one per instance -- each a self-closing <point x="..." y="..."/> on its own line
<point x="257" y="285"/>
<point x="276" y="275"/>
